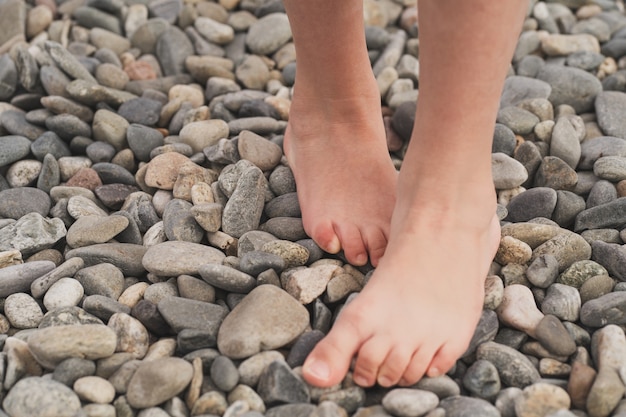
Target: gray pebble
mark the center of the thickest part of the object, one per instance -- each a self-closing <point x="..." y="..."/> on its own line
<point x="612" y="256"/>
<point x="224" y="373"/>
<point x="71" y="369"/>
<point x="17" y="202"/>
<point x="39" y="396"/>
<point x="18" y="278"/>
<point x="181" y="313"/>
<point x="513" y="367"/>
<point x="532" y="203"/>
<point x="571" y="86"/>
<point x="468" y="407"/>
<point x="609" y="215"/>
<point x="227" y="278"/>
<point x="482" y="379"/>
<point x="180" y="224"/>
<point x="278" y="384"/>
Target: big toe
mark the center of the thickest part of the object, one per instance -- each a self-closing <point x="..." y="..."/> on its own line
<point x="330" y="360"/>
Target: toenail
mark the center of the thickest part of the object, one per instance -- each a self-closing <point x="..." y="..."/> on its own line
<point x="360" y="259"/>
<point x="384" y="381"/>
<point x="434" y="372"/>
<point x="318" y="369"/>
<point x="361" y="380"/>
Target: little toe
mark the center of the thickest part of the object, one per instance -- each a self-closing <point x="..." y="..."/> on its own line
<point x="330" y="360"/>
<point x="394" y="366"/>
<point x="352" y="244"/>
<point x="371" y="356"/>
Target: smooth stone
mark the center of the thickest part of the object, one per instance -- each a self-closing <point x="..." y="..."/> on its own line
<point x="210" y="403"/>
<point x="555" y="173"/>
<point x="602" y="192"/>
<point x="407" y="402"/>
<point x="195" y="289"/>
<point x="286" y="228"/>
<point x="68" y="62"/>
<point x="514" y="368"/>
<point x="258" y="150"/>
<point x="31" y="233"/>
<point x="596" y="287"/>
<point x="253" y="325"/>
<point x="142" y="140"/>
<point x="227" y="278"/>
<point x="172" y="48"/>
<point x="612" y="168"/>
<point x="517" y="89"/>
<point x="66" y="316"/>
<point x="181" y="313"/>
<point x="607" y="103"/>
<point x="103" y="307"/>
<point x="268" y="34"/>
<point x="482" y="380"/>
<point x="94" y="389"/>
<point x="102" y="279"/>
<point x="224" y="373"/>
<point x="126" y="256"/>
<point x="594" y="148"/>
<point x="66" y="292"/>
<point x="278" y="384"/>
<point x="562" y="301"/>
<point x="13" y="148"/>
<point x="149" y="316"/>
<point x="302" y="347"/>
<point x="52" y="345"/>
<point x="22" y="311"/>
<point x="177" y="258"/>
<point x="18" y="278"/>
<point x="132" y="336"/>
<point x="89" y="230"/>
<point x="607" y="309"/>
<point x="507" y="172"/>
<point x="70" y="370"/>
<point x="552" y="335"/>
<point x="249" y="396"/>
<point x="157" y="381"/>
<point x="110" y="128"/>
<point x="568" y="205"/>
<point x="571" y="86"/>
<point x="18" y="202"/>
<point x="459" y="406"/>
<point x="141" y="110"/>
<point x="612" y="256"/>
<point x="520" y="121"/>
<point x="565" y="143"/>
<point x="79" y="206"/>
<point x="535" y="202"/>
<point x="36" y="396"/>
<point x="609" y="215"/>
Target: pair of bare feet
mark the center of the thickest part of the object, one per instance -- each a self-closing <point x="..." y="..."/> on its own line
<point x="418" y="312"/>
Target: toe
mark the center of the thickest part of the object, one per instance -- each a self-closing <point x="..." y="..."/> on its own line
<point x="376" y="242"/>
<point x="324" y="235"/>
<point x="329" y="361"/>
<point x="394" y="366"/>
<point x="352" y="244"/>
<point x="418" y="365"/>
<point x="371" y="356"/>
<point x="444" y="359"/>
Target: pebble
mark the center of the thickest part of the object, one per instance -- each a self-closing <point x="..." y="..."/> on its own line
<point x="34" y="396"/>
<point x="514" y="368"/>
<point x="507" y="172"/>
<point x="157" y="381"/>
<point x="18" y="278"/>
<point x="608" y="215"/>
<point x="22" y="311"/>
<point x="174" y="258"/>
<point x="541" y="399"/>
<point x="227" y="278"/>
<point x="52" y="345"/>
<point x="66" y="292"/>
<point x="571" y="86"/>
<point x="608" y="120"/>
<point x="253" y="326"/>
<point x="459" y="406"/>
<point x="94" y="389"/>
<point x="279" y="384"/>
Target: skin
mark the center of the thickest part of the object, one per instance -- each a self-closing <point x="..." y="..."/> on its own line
<point x="434" y="222"/>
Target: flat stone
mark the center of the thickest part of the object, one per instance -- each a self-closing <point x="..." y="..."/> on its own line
<point x="609" y="215"/>
<point x="89" y="230"/>
<point x="541" y="399"/>
<point x="52" y="345"/>
<point x="514" y="368"/>
<point x="126" y="256"/>
<point x="268" y="34"/>
<point x="607" y="309"/>
<point x="177" y="258"/>
<point x="571" y="86"/>
<point x="507" y="172"/>
<point x="459" y="406"/>
<point x="612" y="256"/>
<point x="243" y="211"/>
<point x="609" y="121"/>
<point x="18" y="278"/>
<point x="407" y="402"/>
<point x="567" y="248"/>
<point x="253" y="326"/>
<point x="17" y="202"/>
<point x="532" y="203"/>
<point x="227" y="278"/>
<point x="181" y="313"/>
<point x="22" y="311"/>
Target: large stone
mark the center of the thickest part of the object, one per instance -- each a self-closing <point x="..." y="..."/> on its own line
<point x="178" y="258"/>
<point x="571" y="86"/>
<point x="41" y="397"/>
<point x="267" y="318"/>
<point x="157" y="381"/>
<point x="31" y="233"/>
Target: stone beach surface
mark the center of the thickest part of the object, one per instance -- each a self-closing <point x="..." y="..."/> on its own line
<point x="153" y="261"/>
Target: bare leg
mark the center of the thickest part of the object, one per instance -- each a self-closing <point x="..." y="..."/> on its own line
<point x="419" y="310"/>
<point x="335" y="141"/>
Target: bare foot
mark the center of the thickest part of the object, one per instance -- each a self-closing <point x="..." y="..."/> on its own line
<point x="418" y="312"/>
<point x="346" y="181"/>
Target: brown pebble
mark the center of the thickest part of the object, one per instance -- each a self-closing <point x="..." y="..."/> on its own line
<point x="580" y="381"/>
<point x="621" y="188"/>
<point x="140" y="70"/>
<point x="85" y="178"/>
